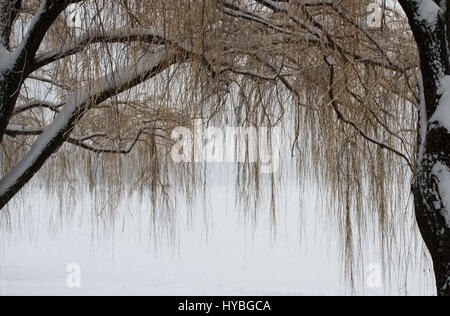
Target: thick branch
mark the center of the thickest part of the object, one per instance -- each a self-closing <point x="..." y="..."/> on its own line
<point x="23" y="55"/>
<point x="38" y="28"/>
<point x="125" y="35"/>
<point x="59" y="131"/>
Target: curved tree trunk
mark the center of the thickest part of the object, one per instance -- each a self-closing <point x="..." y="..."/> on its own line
<point x="431" y="190"/>
<point x="438" y="245"/>
<point x="430" y="21"/>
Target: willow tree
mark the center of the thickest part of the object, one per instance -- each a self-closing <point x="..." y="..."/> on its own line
<point x="116" y="80"/>
<point x="80" y="82"/>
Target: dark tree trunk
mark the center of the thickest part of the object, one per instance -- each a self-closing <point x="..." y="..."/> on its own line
<point x="438" y="244"/>
<point x="431" y="222"/>
<point x="431" y="210"/>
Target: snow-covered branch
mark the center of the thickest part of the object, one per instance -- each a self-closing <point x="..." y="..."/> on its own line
<point x="283" y="5"/>
<point x="37" y="29"/>
<point x="124" y="35"/>
<point x="36" y="104"/>
<point x="75" y="107"/>
<point x="234" y="10"/>
<point x="9" y="10"/>
<point x="13" y="64"/>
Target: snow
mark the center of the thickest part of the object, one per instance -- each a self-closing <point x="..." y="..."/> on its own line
<point x="441" y="117"/>
<point x="427" y="12"/>
<point x="234" y="261"/>
<point x="72" y="109"/>
<point x="284" y="5"/>
<point x="230" y="262"/>
<point x="232" y="258"/>
<point x="96" y="35"/>
<point x="7" y="59"/>
<point x="442" y="173"/>
<point x="34" y="21"/>
<point x="19" y="128"/>
<point x="314" y="2"/>
<point x="280" y="6"/>
<point x="423" y="122"/>
<point x="43" y="141"/>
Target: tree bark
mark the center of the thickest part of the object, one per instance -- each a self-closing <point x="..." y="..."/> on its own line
<point x="430" y="208"/>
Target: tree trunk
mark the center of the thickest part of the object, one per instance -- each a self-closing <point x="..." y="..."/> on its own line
<point x="431" y="210"/>
<point x="431" y="187"/>
<point x="434" y="232"/>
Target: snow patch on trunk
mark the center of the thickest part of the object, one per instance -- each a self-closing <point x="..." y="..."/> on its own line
<point x="7" y="59"/>
<point x="441" y="117"/>
<point x="427" y="13"/>
<point x="442" y="173"/>
<point x="423" y="123"/>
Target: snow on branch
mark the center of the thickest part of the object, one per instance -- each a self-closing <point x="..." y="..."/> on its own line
<point x="9" y="10"/>
<point x="75" y="107"/>
<point x="124" y="35"/>
<point x="234" y="10"/>
<point x="276" y="6"/>
<point x="16" y="130"/>
<point x="44" y="18"/>
<point x="36" y="104"/>
<point x="283" y="5"/>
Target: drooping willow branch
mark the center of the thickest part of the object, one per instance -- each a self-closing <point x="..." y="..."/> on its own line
<point x="341" y="117"/>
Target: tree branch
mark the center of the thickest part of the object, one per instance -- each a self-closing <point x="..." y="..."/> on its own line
<point x="76" y="106"/>
<point x="342" y="118"/>
<point x="36" y="104"/>
<point x="125" y="35"/>
<point x="9" y="9"/>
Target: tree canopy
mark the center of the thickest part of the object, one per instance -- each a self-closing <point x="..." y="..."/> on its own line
<point x="107" y="82"/>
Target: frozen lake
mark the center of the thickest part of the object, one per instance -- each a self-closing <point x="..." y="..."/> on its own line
<point x="217" y="254"/>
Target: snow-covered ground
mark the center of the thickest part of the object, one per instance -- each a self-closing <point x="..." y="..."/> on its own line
<point x="225" y="257"/>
